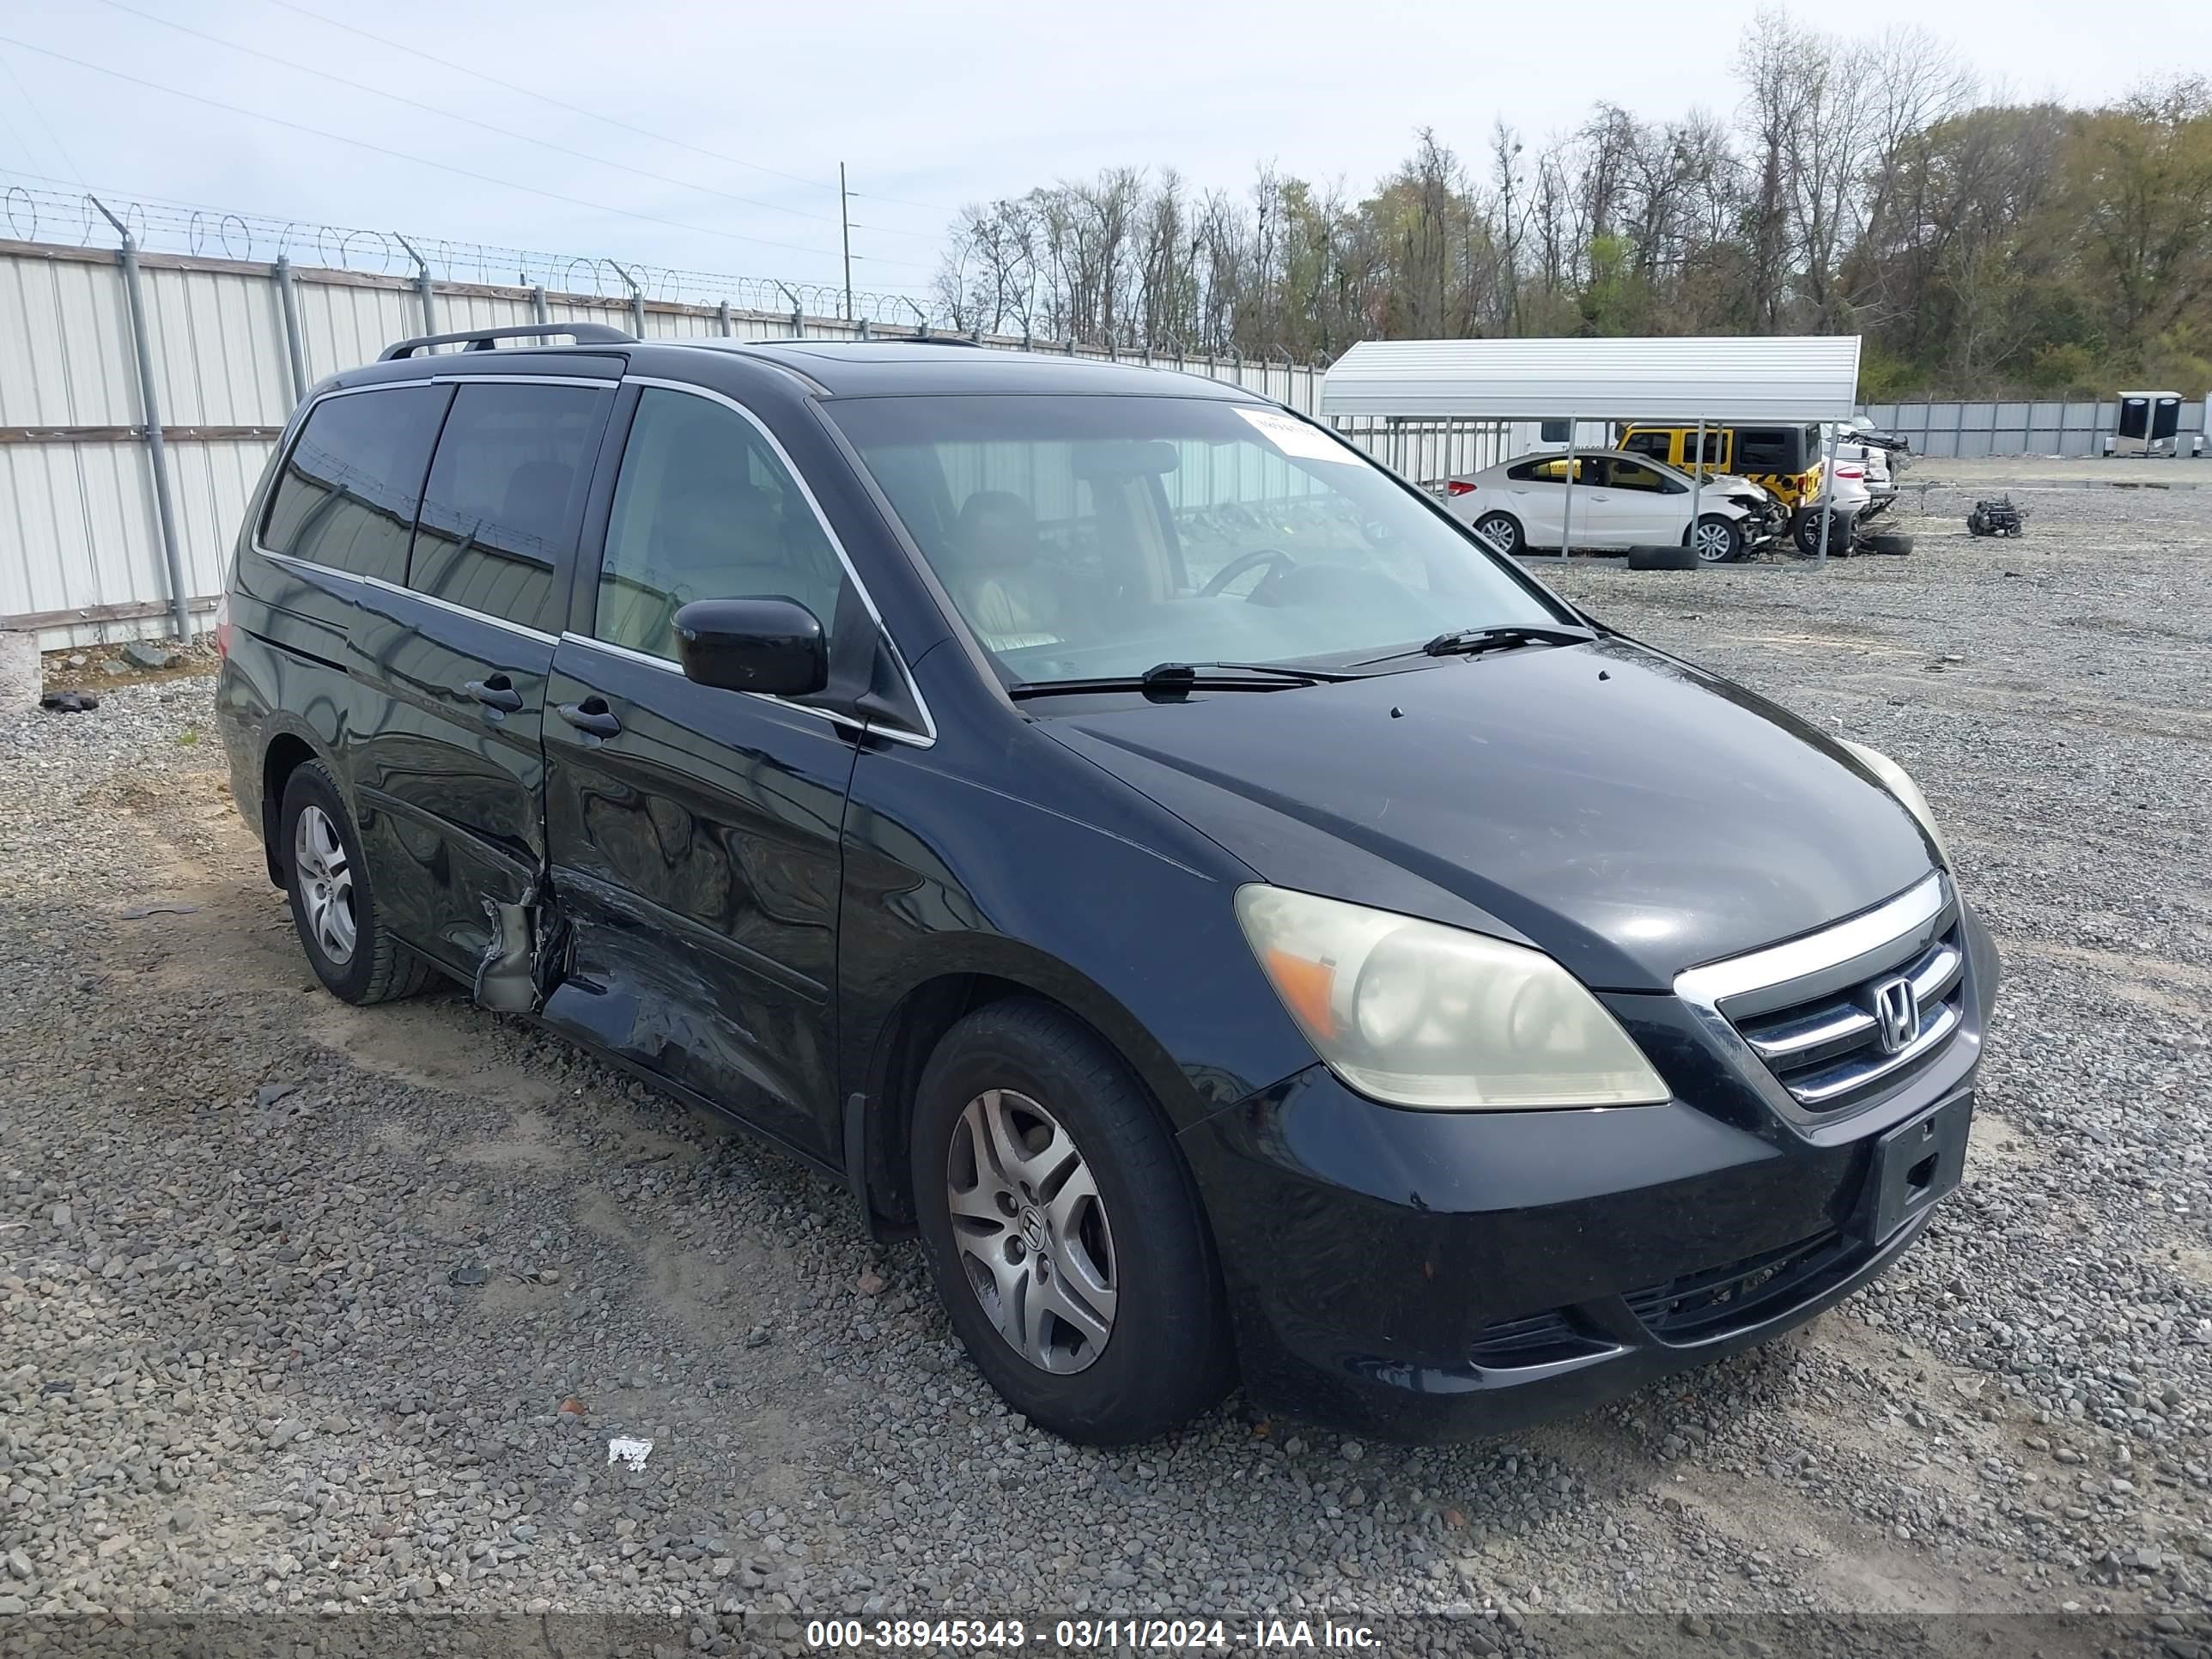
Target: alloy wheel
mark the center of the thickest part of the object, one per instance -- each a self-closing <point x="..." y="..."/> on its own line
<point x="1501" y="532"/>
<point x="325" y="876"/>
<point x="1031" y="1231"/>
<point x="1712" y="542"/>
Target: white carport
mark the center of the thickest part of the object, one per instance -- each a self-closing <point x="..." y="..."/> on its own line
<point x="1724" y="381"/>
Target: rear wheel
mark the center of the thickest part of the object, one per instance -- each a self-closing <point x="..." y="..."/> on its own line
<point x="1717" y="539"/>
<point x="333" y="904"/>
<point x="1063" y="1231"/>
<point x="1502" y="530"/>
<point x="1806" y="532"/>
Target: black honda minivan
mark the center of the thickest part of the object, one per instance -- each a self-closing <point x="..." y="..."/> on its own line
<point x="1246" y="927"/>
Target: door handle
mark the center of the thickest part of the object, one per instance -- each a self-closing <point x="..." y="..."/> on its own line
<point x="497" y="692"/>
<point x="591" y="715"/>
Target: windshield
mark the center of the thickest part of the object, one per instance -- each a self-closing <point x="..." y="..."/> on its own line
<point x="1094" y="537"/>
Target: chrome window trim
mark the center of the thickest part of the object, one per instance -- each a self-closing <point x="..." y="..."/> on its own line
<point x="510" y="625"/>
<point x="1701" y="990"/>
<point x="293" y="561"/>
<point x="667" y="665"/>
<point x="922" y="739"/>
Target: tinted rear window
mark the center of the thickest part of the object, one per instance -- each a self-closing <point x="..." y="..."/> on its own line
<point x="1774" y="449"/>
<point x="503" y="496"/>
<point x="347" y="494"/>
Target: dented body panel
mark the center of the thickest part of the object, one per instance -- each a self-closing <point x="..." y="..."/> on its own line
<point x="695" y="858"/>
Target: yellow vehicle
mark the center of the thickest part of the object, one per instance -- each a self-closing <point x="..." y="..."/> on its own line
<point x="1784" y="460"/>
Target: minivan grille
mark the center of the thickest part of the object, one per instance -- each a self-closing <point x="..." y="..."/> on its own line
<point x="1839" y="1048"/>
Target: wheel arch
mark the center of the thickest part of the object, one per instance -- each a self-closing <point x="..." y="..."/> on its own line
<point x="916" y="1020"/>
<point x="287" y="750"/>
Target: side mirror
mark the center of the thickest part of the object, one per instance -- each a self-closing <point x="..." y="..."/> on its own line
<point x="775" y="647"/>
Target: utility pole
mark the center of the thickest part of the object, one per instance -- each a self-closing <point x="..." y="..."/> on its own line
<point x="845" y="224"/>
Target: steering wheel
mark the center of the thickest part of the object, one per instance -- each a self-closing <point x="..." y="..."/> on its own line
<point x="1243" y="562"/>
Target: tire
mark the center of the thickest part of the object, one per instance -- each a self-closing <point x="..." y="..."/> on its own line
<point x="333" y="901"/>
<point x="1029" y="1078"/>
<point x="1806" y="532"/>
<point x="1892" y="543"/>
<point x="1718" y="539"/>
<point x="1664" y="558"/>
<point x="1504" y="529"/>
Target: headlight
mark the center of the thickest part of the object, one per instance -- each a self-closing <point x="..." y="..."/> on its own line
<point x="1900" y="784"/>
<point x="1419" y="1014"/>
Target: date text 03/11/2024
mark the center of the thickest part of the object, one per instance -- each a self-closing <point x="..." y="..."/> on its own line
<point x="1088" y="1634"/>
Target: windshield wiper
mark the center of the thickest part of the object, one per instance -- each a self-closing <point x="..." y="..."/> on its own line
<point x="1473" y="642"/>
<point x="1177" y="677"/>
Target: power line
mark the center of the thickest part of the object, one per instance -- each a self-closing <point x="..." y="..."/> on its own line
<point x="22" y="144"/>
<point x="39" y="115"/>
<point x="546" y="98"/>
<point x="926" y="207"/>
<point x="594" y="115"/>
<point x="467" y="120"/>
<point x="424" y="160"/>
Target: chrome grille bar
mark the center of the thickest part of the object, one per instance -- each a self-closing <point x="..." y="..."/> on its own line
<point x="1820" y="1049"/>
<point x="1860" y="1071"/>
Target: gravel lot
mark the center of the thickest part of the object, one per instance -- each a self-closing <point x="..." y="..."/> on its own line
<point x="307" y="1308"/>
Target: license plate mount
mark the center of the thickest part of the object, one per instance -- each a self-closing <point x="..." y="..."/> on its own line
<point x="1916" y="1163"/>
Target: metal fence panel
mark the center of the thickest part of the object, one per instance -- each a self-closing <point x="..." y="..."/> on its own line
<point x="80" y="538"/>
<point x="83" y="516"/>
<point x="343" y="324"/>
<point x="2065" y="427"/>
<point x="65" y="354"/>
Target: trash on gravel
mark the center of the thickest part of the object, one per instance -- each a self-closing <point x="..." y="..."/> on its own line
<point x="632" y="1452"/>
<point x="159" y="908"/>
<point x="69" y="703"/>
<point x="470" y="1273"/>
<point x="1996" y="515"/>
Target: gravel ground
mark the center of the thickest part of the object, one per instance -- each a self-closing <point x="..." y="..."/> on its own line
<point x="306" y="1308"/>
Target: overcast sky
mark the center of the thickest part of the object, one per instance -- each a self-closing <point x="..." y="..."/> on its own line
<point x="930" y="106"/>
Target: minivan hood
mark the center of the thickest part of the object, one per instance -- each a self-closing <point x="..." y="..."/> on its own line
<point x="1631" y="814"/>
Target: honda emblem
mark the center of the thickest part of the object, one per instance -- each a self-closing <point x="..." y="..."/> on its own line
<point x="1896" y="1014"/>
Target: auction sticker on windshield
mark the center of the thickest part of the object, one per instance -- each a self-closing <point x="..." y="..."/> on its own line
<point x="1294" y="437"/>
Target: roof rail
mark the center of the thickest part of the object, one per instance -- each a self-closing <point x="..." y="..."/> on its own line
<point x="483" y="339"/>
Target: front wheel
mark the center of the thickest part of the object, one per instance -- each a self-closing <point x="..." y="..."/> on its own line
<point x="1063" y="1231"/>
<point x="1716" y="540"/>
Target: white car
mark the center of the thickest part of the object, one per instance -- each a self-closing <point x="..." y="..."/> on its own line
<point x="1874" y="463"/>
<point x="1619" y="501"/>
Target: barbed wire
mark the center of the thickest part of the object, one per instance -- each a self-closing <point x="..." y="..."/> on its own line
<point x="36" y="213"/>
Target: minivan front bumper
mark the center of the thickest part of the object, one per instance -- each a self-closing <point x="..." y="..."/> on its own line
<point x="1440" y="1275"/>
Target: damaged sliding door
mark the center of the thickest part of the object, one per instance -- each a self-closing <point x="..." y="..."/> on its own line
<point x="449" y="664"/>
